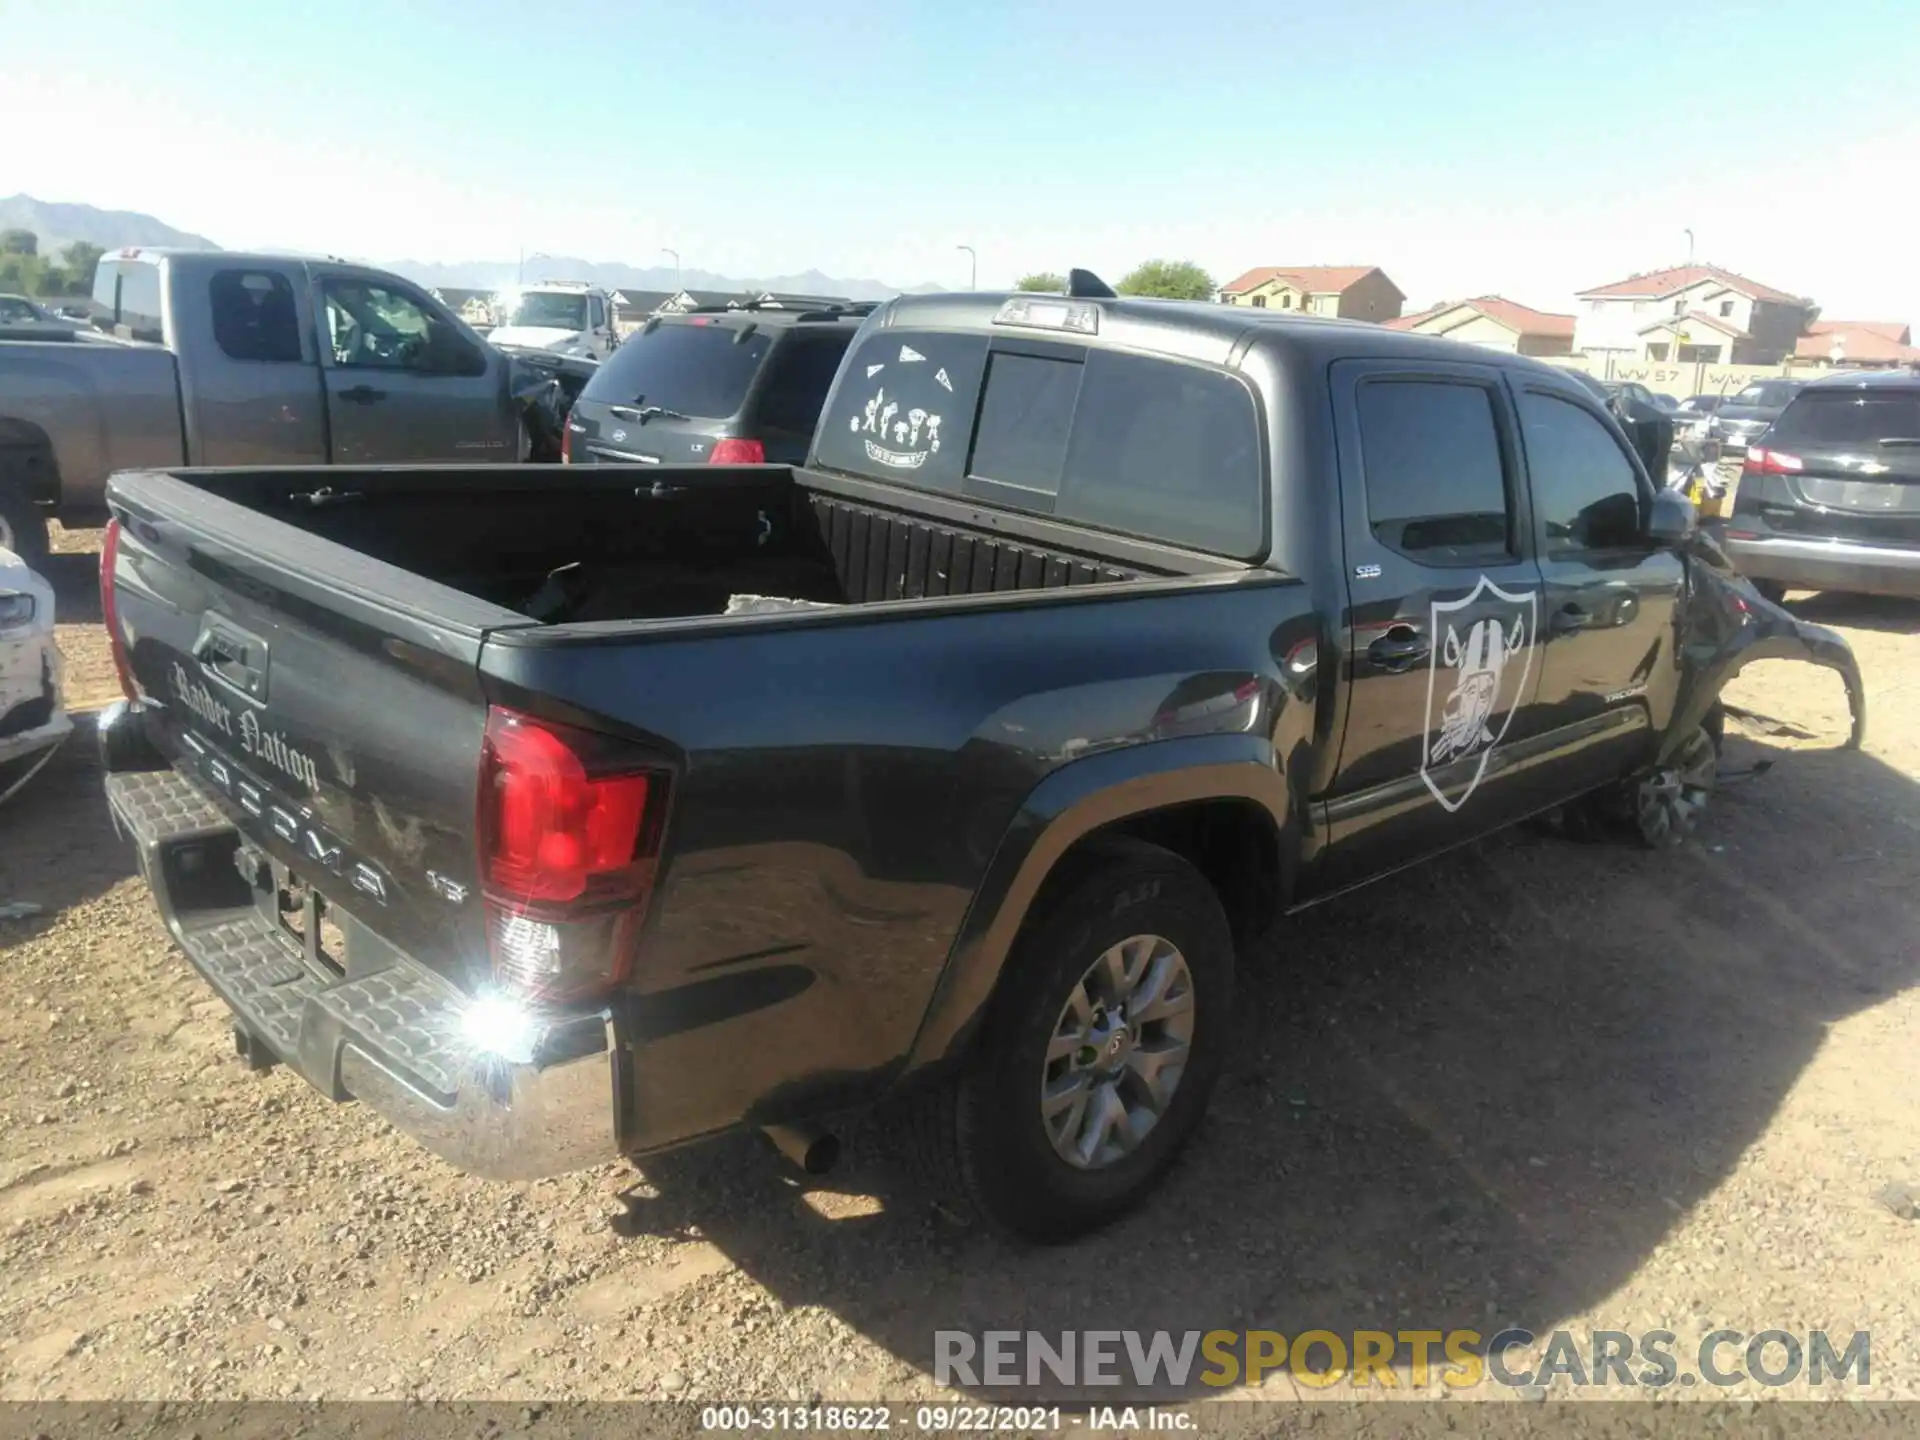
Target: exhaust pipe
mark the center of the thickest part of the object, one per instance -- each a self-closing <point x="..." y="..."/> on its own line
<point x="809" y="1147"/>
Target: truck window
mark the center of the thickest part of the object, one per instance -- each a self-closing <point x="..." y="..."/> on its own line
<point x="596" y="312"/>
<point x="699" y="369"/>
<point x="127" y="292"/>
<point x="924" y="381"/>
<point x="798" y="380"/>
<point x="1026" y="419"/>
<point x="1155" y="448"/>
<point x="1584" y="487"/>
<point x="1167" y="451"/>
<point x="254" y="317"/>
<point x="371" y="326"/>
<point x="1434" y="477"/>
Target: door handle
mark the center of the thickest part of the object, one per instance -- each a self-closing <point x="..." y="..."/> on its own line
<point x="363" y="395"/>
<point x="1400" y="649"/>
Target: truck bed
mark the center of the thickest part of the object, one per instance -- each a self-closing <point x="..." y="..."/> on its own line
<point x="582" y="545"/>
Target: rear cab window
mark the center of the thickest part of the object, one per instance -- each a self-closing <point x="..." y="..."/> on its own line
<point x="126" y="291"/>
<point x="1141" y="445"/>
<point x="699" y="368"/>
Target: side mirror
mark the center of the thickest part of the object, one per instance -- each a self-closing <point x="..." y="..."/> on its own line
<point x="1673" y="519"/>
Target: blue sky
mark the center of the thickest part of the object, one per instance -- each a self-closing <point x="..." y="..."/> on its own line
<point x="1526" y="148"/>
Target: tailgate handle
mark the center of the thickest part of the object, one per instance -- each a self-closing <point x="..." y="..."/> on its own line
<point x="236" y="658"/>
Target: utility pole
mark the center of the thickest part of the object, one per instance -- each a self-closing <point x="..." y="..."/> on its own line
<point x="676" y="267"/>
<point x="973" y="267"/>
<point x="1689" y="247"/>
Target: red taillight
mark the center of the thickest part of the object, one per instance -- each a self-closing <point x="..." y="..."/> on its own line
<point x="570" y="828"/>
<point x="1771" y="462"/>
<point x="110" y="611"/>
<point x="566" y="443"/>
<point x="738" y="452"/>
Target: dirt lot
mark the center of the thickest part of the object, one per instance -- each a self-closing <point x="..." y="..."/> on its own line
<point x="1538" y="1083"/>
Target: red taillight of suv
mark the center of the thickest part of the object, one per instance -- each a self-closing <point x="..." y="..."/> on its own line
<point x="570" y="825"/>
<point x="110" y="611"/>
<point x="738" y="452"/>
<point x="1771" y="462"/>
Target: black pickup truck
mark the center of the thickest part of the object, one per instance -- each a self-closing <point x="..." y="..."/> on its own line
<point x="565" y="815"/>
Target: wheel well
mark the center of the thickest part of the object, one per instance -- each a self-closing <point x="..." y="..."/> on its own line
<point x="1233" y="843"/>
<point x="26" y="460"/>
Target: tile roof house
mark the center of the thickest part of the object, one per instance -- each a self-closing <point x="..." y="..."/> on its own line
<point x="1354" y="292"/>
<point x="1495" y="322"/>
<point x="1691" y="313"/>
<point x="1858" y="344"/>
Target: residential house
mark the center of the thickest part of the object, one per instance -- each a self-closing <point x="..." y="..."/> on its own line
<point x="1691" y="313"/>
<point x="1858" y="344"/>
<point x="1495" y="323"/>
<point x="1353" y="292"/>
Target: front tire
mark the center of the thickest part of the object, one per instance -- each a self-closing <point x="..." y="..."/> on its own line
<point x="1100" y="1050"/>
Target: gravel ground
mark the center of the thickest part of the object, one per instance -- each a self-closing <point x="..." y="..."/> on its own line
<point x="1535" y="1083"/>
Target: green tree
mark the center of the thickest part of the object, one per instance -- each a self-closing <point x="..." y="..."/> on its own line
<point x="19" y="242"/>
<point x="1043" y="280"/>
<point x="1168" y="280"/>
<point x="79" y="260"/>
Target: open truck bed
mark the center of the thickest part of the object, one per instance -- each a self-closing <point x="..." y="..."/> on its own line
<point x="327" y="656"/>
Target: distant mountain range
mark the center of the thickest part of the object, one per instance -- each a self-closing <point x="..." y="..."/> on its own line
<point x="498" y="274"/>
<point x="58" y="225"/>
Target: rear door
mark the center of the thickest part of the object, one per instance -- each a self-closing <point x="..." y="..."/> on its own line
<point x="250" y="378"/>
<point x="1443" y="629"/>
<point x="1608" y="674"/>
<point x="404" y="382"/>
<point x="1844" y="464"/>
<point x="669" y="394"/>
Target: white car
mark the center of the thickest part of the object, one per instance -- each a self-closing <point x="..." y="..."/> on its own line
<point x="32" y="720"/>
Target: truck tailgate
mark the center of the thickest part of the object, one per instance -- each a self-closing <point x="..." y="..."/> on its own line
<point x="329" y="706"/>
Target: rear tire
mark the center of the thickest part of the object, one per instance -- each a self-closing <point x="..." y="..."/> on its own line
<point x="23" y="528"/>
<point x="1141" y="1068"/>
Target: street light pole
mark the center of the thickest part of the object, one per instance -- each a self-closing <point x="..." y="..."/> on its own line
<point x="973" y="267"/>
<point x="676" y="266"/>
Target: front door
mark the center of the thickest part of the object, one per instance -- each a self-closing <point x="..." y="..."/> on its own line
<point x="1608" y="672"/>
<point x="405" y="384"/>
<point x="1442" y="653"/>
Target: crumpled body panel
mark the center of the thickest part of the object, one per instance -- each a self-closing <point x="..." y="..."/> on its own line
<point x="1726" y="625"/>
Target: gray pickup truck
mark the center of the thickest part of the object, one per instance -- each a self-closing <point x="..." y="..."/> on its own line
<point x="230" y="359"/>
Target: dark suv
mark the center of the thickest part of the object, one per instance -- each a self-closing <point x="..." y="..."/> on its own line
<point x="1829" y="499"/>
<point x="736" y="386"/>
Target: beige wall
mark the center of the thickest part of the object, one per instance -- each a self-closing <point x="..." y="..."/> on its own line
<point x="1684" y="380"/>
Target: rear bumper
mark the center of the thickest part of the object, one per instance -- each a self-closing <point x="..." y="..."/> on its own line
<point x="1843" y="565"/>
<point x="506" y="1102"/>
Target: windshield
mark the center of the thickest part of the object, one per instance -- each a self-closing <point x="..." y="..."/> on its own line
<point x="1765" y="396"/>
<point x="550" y="311"/>
<point x="701" y="370"/>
